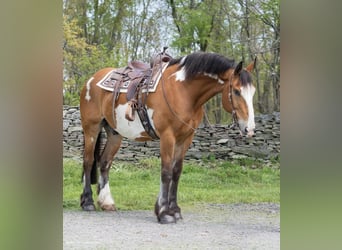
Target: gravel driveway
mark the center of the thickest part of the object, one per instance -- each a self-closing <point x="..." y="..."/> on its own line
<point x="210" y="226"/>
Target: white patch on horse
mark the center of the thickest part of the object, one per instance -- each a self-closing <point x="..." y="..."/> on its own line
<point x="130" y="129"/>
<point x="88" y="97"/>
<point x="105" y="197"/>
<point x="160" y="193"/>
<point x="180" y="74"/>
<point x="248" y="93"/>
<point x="214" y="76"/>
<point x="92" y="139"/>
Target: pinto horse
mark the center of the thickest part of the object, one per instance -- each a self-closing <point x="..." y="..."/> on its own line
<point x="174" y="109"/>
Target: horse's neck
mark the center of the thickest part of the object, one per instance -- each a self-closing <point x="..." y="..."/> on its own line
<point x="205" y="91"/>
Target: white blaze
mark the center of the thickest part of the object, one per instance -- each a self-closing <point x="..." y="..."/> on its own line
<point x="248" y="93"/>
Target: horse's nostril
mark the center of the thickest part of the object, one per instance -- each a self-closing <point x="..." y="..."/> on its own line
<point x="246" y="130"/>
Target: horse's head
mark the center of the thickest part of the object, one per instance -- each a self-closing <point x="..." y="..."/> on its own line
<point x="237" y="97"/>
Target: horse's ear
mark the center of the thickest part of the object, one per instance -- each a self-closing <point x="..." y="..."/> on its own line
<point x="251" y="66"/>
<point x="238" y="68"/>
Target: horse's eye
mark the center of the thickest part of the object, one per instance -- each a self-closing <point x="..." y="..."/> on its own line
<point x="236" y="92"/>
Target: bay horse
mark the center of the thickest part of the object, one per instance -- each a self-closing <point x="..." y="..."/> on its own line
<point x="174" y="109"/>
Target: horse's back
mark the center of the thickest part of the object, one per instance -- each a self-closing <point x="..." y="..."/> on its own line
<point x="92" y="96"/>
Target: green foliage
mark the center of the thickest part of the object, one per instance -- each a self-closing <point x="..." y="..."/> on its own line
<point x="80" y="59"/>
<point x="136" y="185"/>
<point x="194" y="22"/>
<point x="109" y="33"/>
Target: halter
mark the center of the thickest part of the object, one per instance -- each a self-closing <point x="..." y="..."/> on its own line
<point x="234" y="115"/>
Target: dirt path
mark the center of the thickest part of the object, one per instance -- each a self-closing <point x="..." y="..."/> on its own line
<point x="236" y="226"/>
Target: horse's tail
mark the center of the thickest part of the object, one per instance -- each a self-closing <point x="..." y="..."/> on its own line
<point x="97" y="151"/>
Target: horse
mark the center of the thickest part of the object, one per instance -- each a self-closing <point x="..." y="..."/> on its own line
<point x="174" y="111"/>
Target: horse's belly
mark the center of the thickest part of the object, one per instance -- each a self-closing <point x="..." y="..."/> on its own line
<point x="130" y="129"/>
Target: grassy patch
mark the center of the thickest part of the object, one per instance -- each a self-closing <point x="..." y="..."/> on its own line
<point x="135" y="186"/>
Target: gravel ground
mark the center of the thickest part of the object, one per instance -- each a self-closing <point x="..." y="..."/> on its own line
<point x="210" y="226"/>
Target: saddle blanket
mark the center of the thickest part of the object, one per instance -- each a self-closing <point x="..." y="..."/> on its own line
<point x="108" y="83"/>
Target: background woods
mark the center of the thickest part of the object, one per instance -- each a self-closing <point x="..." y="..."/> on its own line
<point x="109" y="33"/>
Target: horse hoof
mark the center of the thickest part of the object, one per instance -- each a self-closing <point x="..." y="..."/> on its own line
<point x="89" y="207"/>
<point x="178" y="216"/>
<point x="167" y="219"/>
<point x="110" y="207"/>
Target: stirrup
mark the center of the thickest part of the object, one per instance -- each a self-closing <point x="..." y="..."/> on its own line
<point x="130" y="111"/>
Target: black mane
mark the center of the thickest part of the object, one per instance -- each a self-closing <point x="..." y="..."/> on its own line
<point x="200" y="62"/>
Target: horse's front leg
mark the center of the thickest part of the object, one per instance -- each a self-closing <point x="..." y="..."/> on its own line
<point x="173" y="205"/>
<point x="176" y="173"/>
<point x="162" y="209"/>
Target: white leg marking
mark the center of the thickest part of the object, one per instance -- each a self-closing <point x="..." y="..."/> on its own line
<point x="160" y="193"/>
<point x="248" y="93"/>
<point x="101" y="183"/>
<point x="105" y="197"/>
<point x="88" y="97"/>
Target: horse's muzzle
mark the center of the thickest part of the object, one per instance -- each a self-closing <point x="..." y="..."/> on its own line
<point x="247" y="132"/>
<point x="250" y="132"/>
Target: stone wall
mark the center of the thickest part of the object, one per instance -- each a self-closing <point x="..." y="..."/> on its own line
<point x="209" y="142"/>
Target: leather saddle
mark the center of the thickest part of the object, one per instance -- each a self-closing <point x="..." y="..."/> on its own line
<point x="136" y="76"/>
<point x="133" y="74"/>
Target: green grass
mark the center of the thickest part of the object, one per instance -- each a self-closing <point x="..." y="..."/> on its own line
<point x="136" y="186"/>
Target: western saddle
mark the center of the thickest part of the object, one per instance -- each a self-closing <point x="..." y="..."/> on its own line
<point x="136" y="76"/>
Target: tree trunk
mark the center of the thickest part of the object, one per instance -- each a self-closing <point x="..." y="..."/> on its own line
<point x="95" y="39"/>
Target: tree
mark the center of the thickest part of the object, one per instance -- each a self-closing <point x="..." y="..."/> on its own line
<point x="267" y="15"/>
<point x="194" y="21"/>
<point x="101" y="33"/>
<point x="80" y="60"/>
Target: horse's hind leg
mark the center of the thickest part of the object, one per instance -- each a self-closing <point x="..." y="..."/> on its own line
<point x="105" y="199"/>
<point x="91" y="133"/>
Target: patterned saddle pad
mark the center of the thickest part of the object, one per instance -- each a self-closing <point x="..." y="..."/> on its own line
<point x="109" y="81"/>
